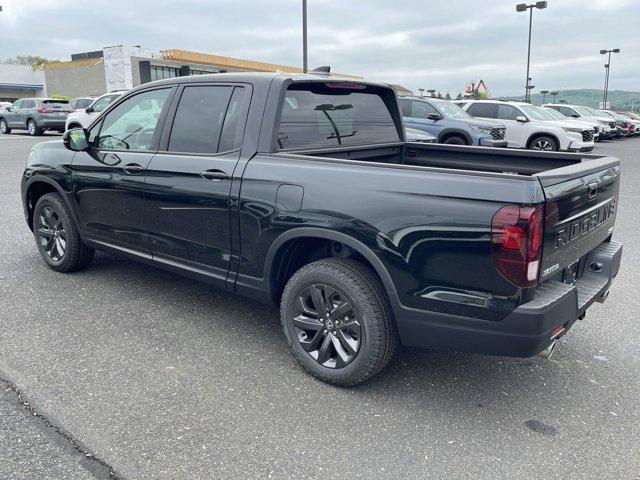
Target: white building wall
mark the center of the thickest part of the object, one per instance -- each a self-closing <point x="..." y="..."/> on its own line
<point x="13" y="75"/>
<point x="117" y="65"/>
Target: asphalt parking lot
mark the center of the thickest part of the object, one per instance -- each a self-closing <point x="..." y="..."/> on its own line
<point x="126" y="371"/>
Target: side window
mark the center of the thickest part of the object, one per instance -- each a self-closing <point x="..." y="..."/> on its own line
<point x="234" y="120"/>
<point x="405" y="107"/>
<point x="484" y="110"/>
<point x="508" y="112"/>
<point x="132" y="124"/>
<point x="28" y="104"/>
<point x="421" y="109"/>
<point x="199" y="118"/>
<point x="566" y="111"/>
<point x="17" y="104"/>
<point x="103" y="103"/>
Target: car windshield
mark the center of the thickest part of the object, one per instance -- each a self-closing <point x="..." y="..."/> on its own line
<point x="554" y="113"/>
<point x="450" y="110"/>
<point x="536" y="113"/>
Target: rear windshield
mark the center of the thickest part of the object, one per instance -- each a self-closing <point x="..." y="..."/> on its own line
<point x="335" y="114"/>
<point x="60" y="102"/>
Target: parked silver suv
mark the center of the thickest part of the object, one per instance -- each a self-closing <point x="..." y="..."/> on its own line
<point x="35" y="115"/>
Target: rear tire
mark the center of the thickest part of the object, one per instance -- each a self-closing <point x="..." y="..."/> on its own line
<point x="338" y="322"/>
<point x="544" y="143"/>
<point x="455" y="140"/>
<point x="33" y="128"/>
<point x="4" y="127"/>
<point x="57" y="237"/>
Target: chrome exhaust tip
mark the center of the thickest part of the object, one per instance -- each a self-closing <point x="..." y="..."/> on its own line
<point x="547" y="352"/>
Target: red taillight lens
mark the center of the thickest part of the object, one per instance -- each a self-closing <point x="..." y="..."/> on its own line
<point x="41" y="108"/>
<point x="516" y="239"/>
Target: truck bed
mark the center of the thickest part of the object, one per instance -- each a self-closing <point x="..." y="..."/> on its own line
<point x="550" y="167"/>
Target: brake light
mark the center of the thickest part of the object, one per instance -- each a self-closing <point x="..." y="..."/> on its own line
<point x="516" y="240"/>
<point x="41" y="108"/>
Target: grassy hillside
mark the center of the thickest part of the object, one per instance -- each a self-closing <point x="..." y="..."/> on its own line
<point x="588" y="97"/>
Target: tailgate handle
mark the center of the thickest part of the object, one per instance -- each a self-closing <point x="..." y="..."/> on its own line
<point x="593" y="188"/>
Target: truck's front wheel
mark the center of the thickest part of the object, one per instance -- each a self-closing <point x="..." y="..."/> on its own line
<point x="338" y="322"/>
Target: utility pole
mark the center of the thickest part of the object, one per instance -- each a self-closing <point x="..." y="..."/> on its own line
<point x="304" y="36"/>
<point x="523" y="7"/>
<point x="607" y="67"/>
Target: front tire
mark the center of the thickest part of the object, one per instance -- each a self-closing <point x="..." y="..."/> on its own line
<point x="57" y="237"/>
<point x="544" y="143"/>
<point x="455" y="140"/>
<point x="4" y="127"/>
<point x="33" y="129"/>
<point x="338" y="322"/>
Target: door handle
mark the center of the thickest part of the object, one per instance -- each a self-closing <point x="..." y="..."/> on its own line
<point x="214" y="175"/>
<point x="133" y="168"/>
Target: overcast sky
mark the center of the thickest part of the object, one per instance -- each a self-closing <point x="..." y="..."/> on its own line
<point x="431" y="44"/>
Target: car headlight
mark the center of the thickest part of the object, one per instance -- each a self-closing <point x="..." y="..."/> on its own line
<point x="482" y="128"/>
<point x="572" y="129"/>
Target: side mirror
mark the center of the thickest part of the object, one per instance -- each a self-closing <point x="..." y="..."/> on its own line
<point x="88" y="110"/>
<point x="434" y="116"/>
<point x="8" y="109"/>
<point x="522" y="119"/>
<point x="76" y="139"/>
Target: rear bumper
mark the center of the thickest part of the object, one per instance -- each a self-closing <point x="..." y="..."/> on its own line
<point x="55" y="123"/>
<point x="529" y="328"/>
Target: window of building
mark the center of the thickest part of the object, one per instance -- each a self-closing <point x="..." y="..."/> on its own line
<point x="159" y="72"/>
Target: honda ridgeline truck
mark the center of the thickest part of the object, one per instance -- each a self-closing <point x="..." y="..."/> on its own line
<point x="301" y="191"/>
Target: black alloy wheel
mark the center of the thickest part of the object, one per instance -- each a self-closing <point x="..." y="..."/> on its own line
<point x="338" y="321"/>
<point x="51" y="234"/>
<point x="57" y="236"/>
<point x="326" y="326"/>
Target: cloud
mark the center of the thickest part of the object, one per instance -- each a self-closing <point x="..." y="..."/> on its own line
<point x="434" y="44"/>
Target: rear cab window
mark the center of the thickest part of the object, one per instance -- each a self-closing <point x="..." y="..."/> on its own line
<point x="334" y="114"/>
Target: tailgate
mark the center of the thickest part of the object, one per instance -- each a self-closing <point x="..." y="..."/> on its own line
<point x="580" y="211"/>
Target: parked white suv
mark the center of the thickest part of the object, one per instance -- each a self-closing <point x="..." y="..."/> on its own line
<point x="607" y="125"/>
<point x="83" y="118"/>
<point x="528" y="128"/>
<point x="582" y="122"/>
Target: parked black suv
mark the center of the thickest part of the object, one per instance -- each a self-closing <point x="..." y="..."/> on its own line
<point x="301" y="191"/>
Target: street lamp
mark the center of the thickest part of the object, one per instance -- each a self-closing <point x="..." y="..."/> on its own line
<point x="523" y="7"/>
<point x="544" y="94"/>
<point x="606" y="74"/>
<point x="304" y="36"/>
<point x="554" y="93"/>
<point x="421" y="90"/>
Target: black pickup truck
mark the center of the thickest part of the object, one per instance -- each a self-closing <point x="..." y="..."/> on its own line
<point x="300" y="190"/>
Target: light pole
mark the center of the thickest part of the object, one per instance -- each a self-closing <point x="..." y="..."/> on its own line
<point x="607" y="66"/>
<point x="421" y="90"/>
<point x="304" y="36"/>
<point x="554" y="93"/>
<point x="544" y="94"/>
<point x="523" y="7"/>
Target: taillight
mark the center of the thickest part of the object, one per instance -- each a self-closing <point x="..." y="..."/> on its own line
<point x="516" y="240"/>
<point x="41" y="108"/>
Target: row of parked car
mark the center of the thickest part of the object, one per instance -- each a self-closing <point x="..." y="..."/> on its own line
<point x="497" y="123"/>
<point x="36" y="115"/>
<point x="490" y="123"/>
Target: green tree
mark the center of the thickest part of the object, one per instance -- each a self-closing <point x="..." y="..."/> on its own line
<point x="32" y="60"/>
<point x="459" y="97"/>
<point x="447" y="96"/>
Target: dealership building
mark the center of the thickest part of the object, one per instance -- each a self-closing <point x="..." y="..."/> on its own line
<point x="117" y="67"/>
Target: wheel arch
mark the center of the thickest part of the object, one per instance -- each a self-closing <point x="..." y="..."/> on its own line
<point x="36" y="187"/>
<point x="536" y="135"/>
<point x="276" y="261"/>
<point x="449" y="132"/>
